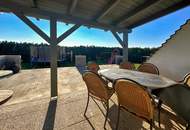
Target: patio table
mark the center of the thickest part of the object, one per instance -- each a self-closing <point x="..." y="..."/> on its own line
<point x="147" y="80"/>
<point x="173" y="94"/>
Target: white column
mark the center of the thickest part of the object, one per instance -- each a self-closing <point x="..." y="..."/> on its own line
<point x="125" y="45"/>
<point x="53" y="46"/>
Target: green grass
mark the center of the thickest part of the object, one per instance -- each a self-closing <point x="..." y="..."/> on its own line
<point x="26" y="66"/>
<point x="136" y="65"/>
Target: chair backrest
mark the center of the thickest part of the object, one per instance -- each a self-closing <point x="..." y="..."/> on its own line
<point x="95" y="85"/>
<point x="187" y="79"/>
<point x="134" y="98"/>
<point x="92" y="66"/>
<point x="148" y="68"/>
<point x="126" y="65"/>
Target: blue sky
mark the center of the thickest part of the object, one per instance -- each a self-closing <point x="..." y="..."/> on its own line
<point x="152" y="34"/>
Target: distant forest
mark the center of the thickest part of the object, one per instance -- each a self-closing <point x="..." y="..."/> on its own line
<point x="93" y="53"/>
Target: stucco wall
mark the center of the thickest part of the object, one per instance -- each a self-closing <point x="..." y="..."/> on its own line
<point x="173" y="59"/>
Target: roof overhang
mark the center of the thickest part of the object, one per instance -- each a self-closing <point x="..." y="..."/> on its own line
<point x="114" y="15"/>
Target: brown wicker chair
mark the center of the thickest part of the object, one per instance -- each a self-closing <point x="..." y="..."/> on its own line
<point x="97" y="89"/>
<point x="135" y="99"/>
<point x="186" y="80"/>
<point x="148" y="68"/>
<point x="126" y="65"/>
<point x="92" y="66"/>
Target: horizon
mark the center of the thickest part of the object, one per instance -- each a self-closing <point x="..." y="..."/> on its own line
<point x="145" y="36"/>
<point x="76" y="45"/>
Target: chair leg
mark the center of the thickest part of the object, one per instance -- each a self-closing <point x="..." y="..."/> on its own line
<point x="107" y="111"/>
<point x="159" y="110"/>
<point x="87" y="104"/>
<point x="118" y="117"/>
<point x="188" y="127"/>
<point x="151" y="124"/>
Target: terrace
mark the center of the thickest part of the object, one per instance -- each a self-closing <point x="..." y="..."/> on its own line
<point x="55" y="98"/>
<point x="31" y="109"/>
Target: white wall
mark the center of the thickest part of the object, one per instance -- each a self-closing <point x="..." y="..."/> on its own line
<point x="173" y="59"/>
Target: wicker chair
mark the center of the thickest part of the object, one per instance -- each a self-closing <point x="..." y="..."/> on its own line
<point x="97" y="89"/>
<point x="92" y="66"/>
<point x="135" y="99"/>
<point x="126" y="65"/>
<point x="148" y="68"/>
<point x="188" y="127"/>
<point x="186" y="80"/>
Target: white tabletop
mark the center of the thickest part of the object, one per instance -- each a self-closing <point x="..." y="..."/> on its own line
<point x="151" y="81"/>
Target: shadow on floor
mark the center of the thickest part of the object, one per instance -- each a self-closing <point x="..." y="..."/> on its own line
<point x="89" y="122"/>
<point x="130" y="121"/>
<point x="50" y="116"/>
<point x="171" y="121"/>
<point x="6" y="75"/>
<point x="126" y="121"/>
<point x="81" y="69"/>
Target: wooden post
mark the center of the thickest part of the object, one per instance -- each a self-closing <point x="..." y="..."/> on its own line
<point x="53" y="41"/>
<point x="53" y="48"/>
<point x="125" y="45"/>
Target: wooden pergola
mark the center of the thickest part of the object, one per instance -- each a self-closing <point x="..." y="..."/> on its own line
<point x="117" y="16"/>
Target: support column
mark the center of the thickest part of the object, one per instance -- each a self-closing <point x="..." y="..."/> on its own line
<point x="53" y="52"/>
<point x="53" y="41"/>
<point x="125" y="45"/>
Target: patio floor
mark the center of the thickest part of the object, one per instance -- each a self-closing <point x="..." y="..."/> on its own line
<point x="30" y="107"/>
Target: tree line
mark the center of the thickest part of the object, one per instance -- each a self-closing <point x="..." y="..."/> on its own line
<point x="93" y="53"/>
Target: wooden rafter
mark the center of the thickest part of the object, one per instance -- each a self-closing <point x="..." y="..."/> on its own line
<point x="118" y="38"/>
<point x="164" y="12"/>
<point x="44" y="14"/>
<point x="67" y="33"/>
<point x="111" y="4"/>
<point x="35" y="4"/>
<point x="72" y="6"/>
<point x="82" y="19"/>
<point x="33" y="26"/>
<point x="136" y="10"/>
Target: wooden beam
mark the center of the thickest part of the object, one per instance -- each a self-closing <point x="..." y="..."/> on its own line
<point x="67" y="33"/>
<point x="164" y="12"/>
<point x="53" y="30"/>
<point x="111" y="4"/>
<point x="33" y="26"/>
<point x="44" y="14"/>
<point x="53" y="52"/>
<point x="125" y="45"/>
<point x="118" y="38"/>
<point x="35" y="4"/>
<point x="133" y="12"/>
<point x="72" y="6"/>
